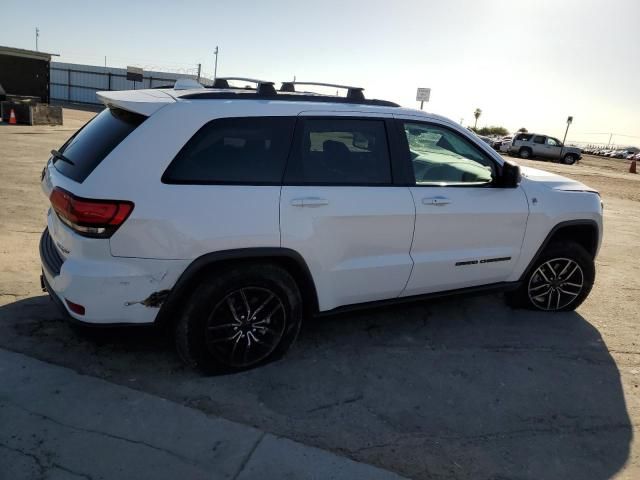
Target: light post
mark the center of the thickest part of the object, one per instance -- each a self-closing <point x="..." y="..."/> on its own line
<point x="215" y="68"/>
<point x="569" y="121"/>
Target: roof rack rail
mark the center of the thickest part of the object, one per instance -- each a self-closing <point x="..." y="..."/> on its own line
<point x="354" y="93"/>
<point x="263" y="87"/>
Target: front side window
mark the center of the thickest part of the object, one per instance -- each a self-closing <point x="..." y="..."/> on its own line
<point x="553" y="142"/>
<point x="249" y="151"/>
<point x="341" y="151"/>
<point x="443" y="157"/>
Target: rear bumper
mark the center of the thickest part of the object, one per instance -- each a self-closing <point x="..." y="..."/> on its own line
<point x="113" y="290"/>
<point x="57" y="301"/>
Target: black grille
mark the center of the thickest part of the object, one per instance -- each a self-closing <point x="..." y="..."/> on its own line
<point x="51" y="259"/>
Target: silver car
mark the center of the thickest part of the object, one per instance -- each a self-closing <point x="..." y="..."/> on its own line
<point x="534" y="145"/>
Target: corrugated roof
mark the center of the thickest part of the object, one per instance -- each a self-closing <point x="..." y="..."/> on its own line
<point x="20" y="52"/>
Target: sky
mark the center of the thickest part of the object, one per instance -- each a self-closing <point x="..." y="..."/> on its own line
<point x="524" y="63"/>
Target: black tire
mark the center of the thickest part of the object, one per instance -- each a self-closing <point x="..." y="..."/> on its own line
<point x="225" y="315"/>
<point x="525" y="153"/>
<point x="563" y="294"/>
<point x="569" y="159"/>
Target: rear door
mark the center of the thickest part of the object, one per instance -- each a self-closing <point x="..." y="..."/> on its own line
<point x="539" y="146"/>
<point x="340" y="209"/>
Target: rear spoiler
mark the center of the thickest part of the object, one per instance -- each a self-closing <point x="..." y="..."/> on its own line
<point x="143" y="102"/>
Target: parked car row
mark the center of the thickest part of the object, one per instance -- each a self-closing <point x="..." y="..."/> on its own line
<point x="631" y="153"/>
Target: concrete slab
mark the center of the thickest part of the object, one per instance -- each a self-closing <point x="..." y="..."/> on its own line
<point x="56" y="423"/>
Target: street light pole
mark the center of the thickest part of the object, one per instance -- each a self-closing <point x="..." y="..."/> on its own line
<point x="569" y="121"/>
<point x="215" y="68"/>
<point x="37" y="35"/>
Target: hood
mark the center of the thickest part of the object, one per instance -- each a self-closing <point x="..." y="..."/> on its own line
<point x="553" y="181"/>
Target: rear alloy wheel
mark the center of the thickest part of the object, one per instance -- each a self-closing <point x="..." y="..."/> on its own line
<point x="240" y="317"/>
<point x="524" y="153"/>
<point x="246" y="326"/>
<point x="560" y="279"/>
<point x="569" y="159"/>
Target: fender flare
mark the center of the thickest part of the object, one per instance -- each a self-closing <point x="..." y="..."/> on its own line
<point x="552" y="232"/>
<point x="185" y="283"/>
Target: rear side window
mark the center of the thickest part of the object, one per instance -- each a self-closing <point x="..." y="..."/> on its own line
<point x="538" y="139"/>
<point x="250" y="151"/>
<point x="340" y="152"/>
<point x="93" y="142"/>
<point x="525" y="137"/>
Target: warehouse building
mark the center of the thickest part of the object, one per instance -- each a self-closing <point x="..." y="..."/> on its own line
<point x="25" y="72"/>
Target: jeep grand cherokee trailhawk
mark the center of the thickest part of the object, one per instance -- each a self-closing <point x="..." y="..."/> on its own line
<point x="231" y="214"/>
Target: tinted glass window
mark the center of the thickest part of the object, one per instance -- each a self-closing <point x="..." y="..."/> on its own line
<point x="442" y="156"/>
<point x="235" y="150"/>
<point x="341" y="152"/>
<point x="538" y="139"/>
<point x="93" y="142"/>
<point x="525" y="137"/>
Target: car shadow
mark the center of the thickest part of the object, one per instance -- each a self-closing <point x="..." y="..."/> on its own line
<point x="451" y="388"/>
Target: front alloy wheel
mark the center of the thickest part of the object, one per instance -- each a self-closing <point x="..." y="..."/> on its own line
<point x="555" y="284"/>
<point x="560" y="279"/>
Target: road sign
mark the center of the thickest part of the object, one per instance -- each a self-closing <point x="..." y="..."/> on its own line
<point x="423" y="94"/>
<point x="134" y="74"/>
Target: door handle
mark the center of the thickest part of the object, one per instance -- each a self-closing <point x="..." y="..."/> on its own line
<point x="436" y="201"/>
<point x="309" y="202"/>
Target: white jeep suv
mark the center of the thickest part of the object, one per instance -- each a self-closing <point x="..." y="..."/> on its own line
<point x="230" y="214"/>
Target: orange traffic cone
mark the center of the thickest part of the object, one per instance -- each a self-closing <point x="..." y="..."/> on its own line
<point x="632" y="167"/>
<point x="12" y="118"/>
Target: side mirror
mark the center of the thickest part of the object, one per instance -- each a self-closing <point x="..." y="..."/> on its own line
<point x="511" y="176"/>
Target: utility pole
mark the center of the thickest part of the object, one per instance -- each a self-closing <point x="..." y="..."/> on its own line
<point x="199" y="69"/>
<point x="610" y="137"/>
<point x="215" y="68"/>
<point x="37" y="35"/>
<point x="105" y="61"/>
<point x="569" y="121"/>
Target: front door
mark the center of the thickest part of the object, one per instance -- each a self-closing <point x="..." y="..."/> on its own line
<point x="468" y="231"/>
<point x="340" y="210"/>
<point x="552" y="148"/>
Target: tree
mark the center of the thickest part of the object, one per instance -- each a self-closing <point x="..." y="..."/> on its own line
<point x="523" y="130"/>
<point x="491" y="130"/>
<point x="477" y="114"/>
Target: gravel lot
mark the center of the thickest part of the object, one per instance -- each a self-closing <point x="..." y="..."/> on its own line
<point x="462" y="388"/>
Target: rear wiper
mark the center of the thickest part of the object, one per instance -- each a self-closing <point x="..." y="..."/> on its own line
<point x="58" y="156"/>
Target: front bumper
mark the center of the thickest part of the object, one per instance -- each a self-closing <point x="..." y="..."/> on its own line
<point x="112" y="290"/>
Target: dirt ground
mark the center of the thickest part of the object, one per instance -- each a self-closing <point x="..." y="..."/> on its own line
<point x="462" y="388"/>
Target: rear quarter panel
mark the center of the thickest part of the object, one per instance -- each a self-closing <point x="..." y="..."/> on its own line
<point x="184" y="221"/>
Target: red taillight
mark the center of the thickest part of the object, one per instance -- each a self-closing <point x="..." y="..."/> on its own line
<point x="90" y="217"/>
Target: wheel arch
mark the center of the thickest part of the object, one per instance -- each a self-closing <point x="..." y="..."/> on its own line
<point x="584" y="232"/>
<point x="527" y="148"/>
<point x="209" y="263"/>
